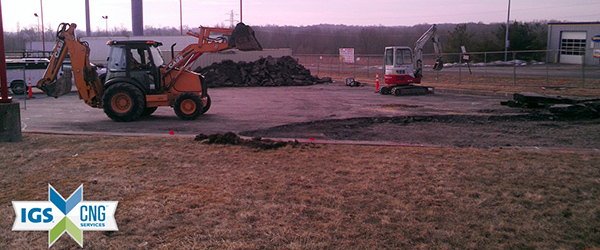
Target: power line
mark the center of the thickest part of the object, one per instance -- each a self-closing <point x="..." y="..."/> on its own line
<point x="488" y="12"/>
<point x="231" y="19"/>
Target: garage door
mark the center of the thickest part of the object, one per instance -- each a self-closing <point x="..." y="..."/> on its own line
<point x="572" y="47"/>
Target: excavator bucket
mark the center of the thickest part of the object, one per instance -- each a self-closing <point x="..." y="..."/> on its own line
<point x="439" y="64"/>
<point x="243" y="38"/>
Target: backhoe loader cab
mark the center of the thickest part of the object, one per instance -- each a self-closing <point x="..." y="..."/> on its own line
<point x="137" y="62"/>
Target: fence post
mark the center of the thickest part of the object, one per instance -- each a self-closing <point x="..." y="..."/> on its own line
<point x="368" y="65"/>
<point x="354" y="65"/>
<point x="485" y="65"/>
<point x="341" y="62"/>
<point x="319" y="65"/>
<point x="514" y="68"/>
<point x="547" y="68"/>
<point x="460" y="68"/>
<point x="330" y="67"/>
<point x="583" y="70"/>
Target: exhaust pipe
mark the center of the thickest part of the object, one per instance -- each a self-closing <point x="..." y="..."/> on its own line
<point x="172" y="52"/>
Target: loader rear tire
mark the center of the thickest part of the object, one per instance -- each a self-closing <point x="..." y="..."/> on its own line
<point x="188" y="106"/>
<point x="123" y="102"/>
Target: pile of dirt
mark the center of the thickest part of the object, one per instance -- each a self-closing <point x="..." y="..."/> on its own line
<point x="231" y="138"/>
<point x="283" y="71"/>
<point x="560" y="106"/>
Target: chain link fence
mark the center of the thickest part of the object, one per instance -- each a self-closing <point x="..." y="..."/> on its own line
<point x="522" y="68"/>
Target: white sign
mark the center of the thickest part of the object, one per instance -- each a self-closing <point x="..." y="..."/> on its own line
<point x="347" y="55"/>
<point x="59" y="215"/>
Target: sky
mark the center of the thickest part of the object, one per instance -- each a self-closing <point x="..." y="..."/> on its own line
<point x="208" y="13"/>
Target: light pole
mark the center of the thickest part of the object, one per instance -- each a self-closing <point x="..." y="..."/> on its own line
<point x="240" y="11"/>
<point x="106" y="20"/>
<point x="38" y="19"/>
<point x="506" y="42"/>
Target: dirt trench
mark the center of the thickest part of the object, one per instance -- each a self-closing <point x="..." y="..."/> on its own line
<point x="463" y="131"/>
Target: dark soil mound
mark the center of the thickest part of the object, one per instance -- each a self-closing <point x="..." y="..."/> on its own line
<point x="283" y="71"/>
<point x="231" y="138"/>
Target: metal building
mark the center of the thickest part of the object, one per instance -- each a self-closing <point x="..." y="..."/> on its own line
<point x="574" y="43"/>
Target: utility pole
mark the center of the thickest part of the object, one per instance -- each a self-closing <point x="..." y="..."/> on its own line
<point x="43" y="39"/>
<point x="88" y="29"/>
<point x="180" y="18"/>
<point x="506" y="42"/>
<point x="137" y="17"/>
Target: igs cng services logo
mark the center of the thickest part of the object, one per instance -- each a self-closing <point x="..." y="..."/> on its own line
<point x="58" y="215"/>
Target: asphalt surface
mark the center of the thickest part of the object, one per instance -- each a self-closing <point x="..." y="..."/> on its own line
<point x="245" y="109"/>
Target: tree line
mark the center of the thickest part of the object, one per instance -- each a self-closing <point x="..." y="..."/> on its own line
<point x="477" y="37"/>
<point x="327" y="39"/>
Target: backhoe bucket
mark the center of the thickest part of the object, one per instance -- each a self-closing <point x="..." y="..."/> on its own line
<point x="61" y="86"/>
<point x="243" y="38"/>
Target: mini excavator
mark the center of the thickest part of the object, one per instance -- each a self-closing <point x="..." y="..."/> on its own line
<point x="403" y="69"/>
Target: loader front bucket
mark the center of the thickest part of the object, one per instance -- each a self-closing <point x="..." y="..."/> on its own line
<point x="243" y="38"/>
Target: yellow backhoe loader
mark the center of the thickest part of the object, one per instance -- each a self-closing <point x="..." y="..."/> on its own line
<point x="138" y="80"/>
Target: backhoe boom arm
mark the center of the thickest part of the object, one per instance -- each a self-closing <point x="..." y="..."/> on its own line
<point x="87" y="82"/>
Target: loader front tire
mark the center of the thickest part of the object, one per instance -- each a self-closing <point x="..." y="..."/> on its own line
<point x="188" y="106"/>
<point x="207" y="107"/>
<point x="123" y="102"/>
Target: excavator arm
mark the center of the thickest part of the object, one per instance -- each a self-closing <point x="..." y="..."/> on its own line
<point x="87" y="82"/>
<point x="430" y="34"/>
<point x="211" y="40"/>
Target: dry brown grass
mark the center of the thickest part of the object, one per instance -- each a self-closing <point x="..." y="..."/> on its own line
<point x="175" y="193"/>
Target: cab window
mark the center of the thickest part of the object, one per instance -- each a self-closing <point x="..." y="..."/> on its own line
<point x="117" y="60"/>
<point x="403" y="56"/>
<point x="389" y="57"/>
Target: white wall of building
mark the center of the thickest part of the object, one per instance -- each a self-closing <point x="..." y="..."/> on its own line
<point x="99" y="50"/>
